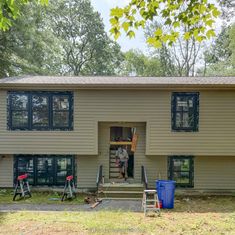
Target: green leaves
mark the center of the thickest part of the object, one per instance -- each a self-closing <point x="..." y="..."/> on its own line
<point x="187" y="36"/>
<point x="210" y="33"/>
<point x="195" y="15"/>
<point x="11" y="9"/>
<point x="158" y="32"/>
<point x="118" y="12"/>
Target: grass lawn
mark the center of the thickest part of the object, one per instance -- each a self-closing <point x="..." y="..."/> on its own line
<point x="6" y="196"/>
<point x="207" y="215"/>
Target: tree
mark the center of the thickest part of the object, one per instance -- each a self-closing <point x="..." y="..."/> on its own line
<point x="28" y="47"/>
<point x="178" y="59"/>
<point x="86" y="47"/>
<point x="198" y="16"/>
<point x="11" y="10"/>
<point x="138" y="64"/>
<point x="66" y="38"/>
<point x="219" y="59"/>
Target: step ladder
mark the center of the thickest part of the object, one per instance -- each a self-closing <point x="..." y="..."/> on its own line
<point x="22" y="187"/>
<point x="150" y="201"/>
<point x="69" y="189"/>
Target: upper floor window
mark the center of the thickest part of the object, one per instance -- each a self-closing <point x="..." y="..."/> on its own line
<point x="40" y="110"/>
<point x="185" y="111"/>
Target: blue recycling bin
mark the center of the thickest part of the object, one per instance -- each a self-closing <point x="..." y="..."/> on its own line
<point x="166" y="193"/>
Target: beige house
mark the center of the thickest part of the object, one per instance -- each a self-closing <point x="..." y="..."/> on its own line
<point x="51" y="127"/>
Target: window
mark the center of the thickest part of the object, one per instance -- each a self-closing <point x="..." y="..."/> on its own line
<point x="185" y="111"/>
<point x="181" y="170"/>
<point x="44" y="169"/>
<point x="60" y="111"/>
<point x="40" y="110"/>
<point x="19" y="111"/>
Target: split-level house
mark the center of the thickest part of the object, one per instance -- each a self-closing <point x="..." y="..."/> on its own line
<point x="184" y="129"/>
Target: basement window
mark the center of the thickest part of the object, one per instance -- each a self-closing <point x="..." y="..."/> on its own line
<point x="44" y="169"/>
<point x="181" y="170"/>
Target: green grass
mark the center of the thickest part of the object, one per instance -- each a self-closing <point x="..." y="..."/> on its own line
<point x="207" y="215"/>
<point x="6" y="196"/>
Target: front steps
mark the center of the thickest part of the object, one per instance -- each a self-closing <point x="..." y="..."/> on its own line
<point x="120" y="191"/>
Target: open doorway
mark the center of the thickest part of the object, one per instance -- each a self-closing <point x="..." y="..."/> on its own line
<point x="121" y="139"/>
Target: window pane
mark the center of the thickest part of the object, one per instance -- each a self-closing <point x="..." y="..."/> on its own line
<point x="181" y="164"/>
<point x="25" y="166"/>
<point x="184" y="103"/>
<point x="181" y="103"/>
<point x="45" y="170"/>
<point x="19" y="118"/>
<point x="40" y="111"/>
<point x="178" y="122"/>
<point x="181" y="177"/>
<point x="19" y="102"/>
<point x="64" y="168"/>
<point x="61" y="119"/>
<point x="60" y="103"/>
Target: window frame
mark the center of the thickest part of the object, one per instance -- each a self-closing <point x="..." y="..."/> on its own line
<point x="191" y="170"/>
<point x="30" y="126"/>
<point x="11" y="110"/>
<point x="195" y="96"/>
<point x="35" y="168"/>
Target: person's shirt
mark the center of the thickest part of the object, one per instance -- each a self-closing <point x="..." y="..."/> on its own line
<point x="122" y="154"/>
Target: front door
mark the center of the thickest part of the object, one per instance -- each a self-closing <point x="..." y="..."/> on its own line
<point x="120" y="137"/>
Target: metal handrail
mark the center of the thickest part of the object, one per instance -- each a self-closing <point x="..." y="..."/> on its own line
<point x="99" y="176"/>
<point x="144" y="178"/>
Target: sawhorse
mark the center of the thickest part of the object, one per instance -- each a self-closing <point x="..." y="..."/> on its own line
<point x="69" y="189"/>
<point x="22" y="187"/>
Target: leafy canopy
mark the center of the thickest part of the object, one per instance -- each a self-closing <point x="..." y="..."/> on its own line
<point x="197" y="15"/>
<point x="11" y="10"/>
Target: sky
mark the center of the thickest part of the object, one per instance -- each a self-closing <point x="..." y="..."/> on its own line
<point x="104" y="6"/>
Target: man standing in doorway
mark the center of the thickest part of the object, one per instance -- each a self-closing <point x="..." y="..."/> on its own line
<point x="122" y="160"/>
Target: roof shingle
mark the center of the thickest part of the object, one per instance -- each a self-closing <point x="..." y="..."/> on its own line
<point x="89" y="81"/>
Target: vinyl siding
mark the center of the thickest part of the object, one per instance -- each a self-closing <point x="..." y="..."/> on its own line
<point x="214" y="173"/>
<point x="216" y="135"/>
<point x="87" y="167"/>
<point x="6" y="171"/>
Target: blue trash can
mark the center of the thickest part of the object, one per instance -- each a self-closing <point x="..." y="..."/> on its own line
<point x="166" y="193"/>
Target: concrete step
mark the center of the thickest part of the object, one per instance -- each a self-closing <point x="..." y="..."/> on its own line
<point x="120" y="194"/>
<point x="121" y="187"/>
<point x="126" y="189"/>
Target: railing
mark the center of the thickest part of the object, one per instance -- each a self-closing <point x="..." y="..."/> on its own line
<point x="144" y="178"/>
<point x="99" y="176"/>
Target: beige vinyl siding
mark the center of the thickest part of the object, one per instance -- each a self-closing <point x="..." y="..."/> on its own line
<point x="216" y="134"/>
<point x="6" y="171"/>
<point x="87" y="167"/>
<point x="214" y="172"/>
<point x="81" y="140"/>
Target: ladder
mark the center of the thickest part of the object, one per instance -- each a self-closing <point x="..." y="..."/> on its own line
<point x="22" y="187"/>
<point x="150" y="201"/>
<point x="69" y="189"/>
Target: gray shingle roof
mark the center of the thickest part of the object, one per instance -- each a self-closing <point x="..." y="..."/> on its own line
<point x="104" y="81"/>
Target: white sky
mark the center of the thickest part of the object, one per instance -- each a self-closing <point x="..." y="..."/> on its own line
<point x="104" y="6"/>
